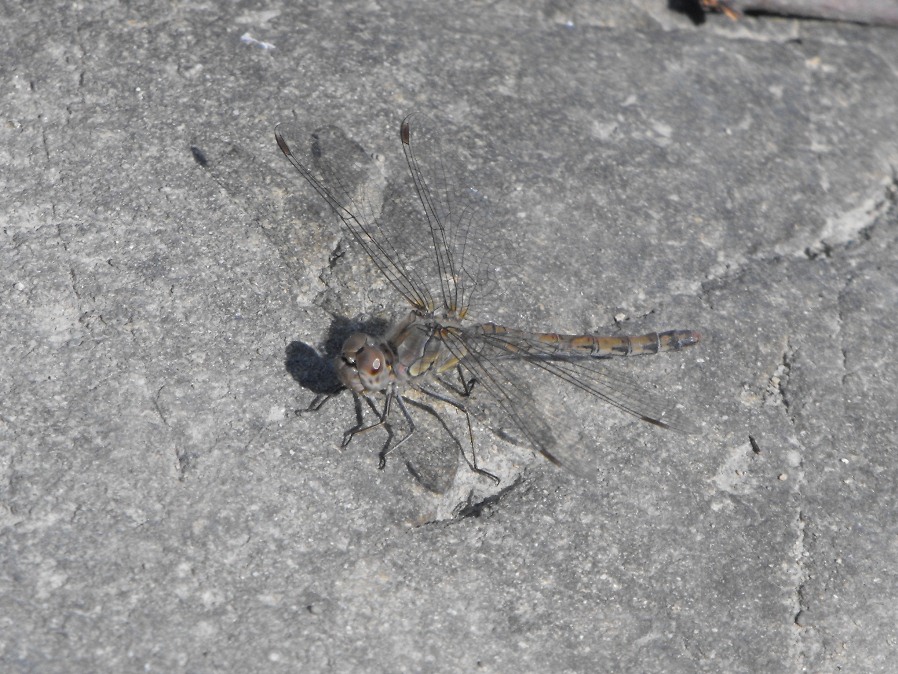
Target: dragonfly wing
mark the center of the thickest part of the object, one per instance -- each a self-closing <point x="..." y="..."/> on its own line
<point x="593" y="377"/>
<point x="374" y="213"/>
<point x="502" y="399"/>
<point x="456" y="213"/>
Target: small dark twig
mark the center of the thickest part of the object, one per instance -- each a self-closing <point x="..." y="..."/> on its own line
<point x="872" y="12"/>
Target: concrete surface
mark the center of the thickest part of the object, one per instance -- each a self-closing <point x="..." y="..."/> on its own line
<point x="163" y="506"/>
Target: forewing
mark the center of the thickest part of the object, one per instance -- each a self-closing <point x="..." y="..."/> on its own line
<point x="376" y="215"/>
<point x="466" y="255"/>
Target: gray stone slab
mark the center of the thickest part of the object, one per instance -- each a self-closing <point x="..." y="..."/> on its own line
<point x="167" y="505"/>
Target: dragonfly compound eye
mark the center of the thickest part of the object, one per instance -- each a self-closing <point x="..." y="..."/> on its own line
<point x="353" y="346"/>
<point x="370" y="360"/>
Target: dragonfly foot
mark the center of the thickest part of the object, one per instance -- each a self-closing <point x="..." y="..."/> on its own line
<point x="318" y="402"/>
<point x="486" y="473"/>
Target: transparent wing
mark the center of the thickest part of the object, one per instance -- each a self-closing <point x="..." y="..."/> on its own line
<point x="379" y="217"/>
<point x="503" y="399"/>
<point x="589" y="374"/>
<point x="428" y="236"/>
<point x="457" y="214"/>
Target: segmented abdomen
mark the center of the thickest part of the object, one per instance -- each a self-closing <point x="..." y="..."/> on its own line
<point x="592" y="345"/>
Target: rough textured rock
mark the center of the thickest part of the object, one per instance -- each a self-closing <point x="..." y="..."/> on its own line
<point x="164" y="508"/>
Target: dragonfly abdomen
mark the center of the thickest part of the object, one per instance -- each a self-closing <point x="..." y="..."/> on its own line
<point x="636" y="345"/>
<point x="595" y="346"/>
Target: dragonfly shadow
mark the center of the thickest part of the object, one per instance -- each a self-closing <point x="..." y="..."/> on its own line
<point x="313" y="370"/>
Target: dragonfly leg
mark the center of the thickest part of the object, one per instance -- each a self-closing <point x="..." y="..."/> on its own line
<point x="467" y="385"/>
<point x="387" y="448"/>
<point x="382" y="417"/>
<point x="359" y="422"/>
<point x="472" y="462"/>
<point x="320" y="399"/>
<point x="361" y="428"/>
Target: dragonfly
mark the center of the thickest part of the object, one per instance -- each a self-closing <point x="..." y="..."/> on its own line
<point x="432" y="244"/>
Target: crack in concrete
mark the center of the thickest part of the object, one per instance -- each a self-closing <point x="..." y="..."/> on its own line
<point x="73" y="282"/>
<point x="788" y="355"/>
<point x="800" y="604"/>
<point x="848" y="231"/>
<point x="840" y="314"/>
<point x="183" y="461"/>
<point x="158" y="407"/>
<point x="778" y="383"/>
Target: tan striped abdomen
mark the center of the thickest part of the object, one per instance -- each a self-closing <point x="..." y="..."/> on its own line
<point x="593" y="345"/>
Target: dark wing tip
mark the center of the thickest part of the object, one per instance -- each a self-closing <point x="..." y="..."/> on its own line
<point x="282" y="144"/>
<point x="551" y="457"/>
<point x="674" y="423"/>
<point x="405" y="131"/>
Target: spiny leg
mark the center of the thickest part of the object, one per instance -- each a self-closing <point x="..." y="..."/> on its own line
<point x="319" y="400"/>
<point x="349" y="434"/>
<point x="387" y="448"/>
<point x="467" y="385"/>
<point x="472" y="462"/>
<point x="381" y="419"/>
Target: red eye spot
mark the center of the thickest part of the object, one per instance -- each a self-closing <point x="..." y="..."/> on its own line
<point x="370" y="360"/>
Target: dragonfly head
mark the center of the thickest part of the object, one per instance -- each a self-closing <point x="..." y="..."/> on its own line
<point x="362" y="365"/>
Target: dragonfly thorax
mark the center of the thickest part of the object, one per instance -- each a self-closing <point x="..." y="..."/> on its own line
<point x="363" y="366"/>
